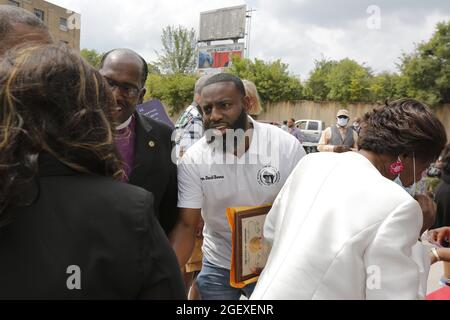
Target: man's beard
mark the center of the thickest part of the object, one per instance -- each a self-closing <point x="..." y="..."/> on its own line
<point x="239" y="124"/>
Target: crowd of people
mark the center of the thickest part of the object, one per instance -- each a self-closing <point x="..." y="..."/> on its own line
<point x="100" y="202"/>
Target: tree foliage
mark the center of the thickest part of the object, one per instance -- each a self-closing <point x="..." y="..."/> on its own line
<point x="176" y="91"/>
<point x="427" y="70"/>
<point x="178" y="53"/>
<point x="92" y="56"/>
<point x="272" y="79"/>
<point x="424" y="75"/>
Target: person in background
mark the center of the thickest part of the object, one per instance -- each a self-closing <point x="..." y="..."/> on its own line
<point x="255" y="100"/>
<point x="189" y="126"/>
<point x="69" y="229"/>
<point x="357" y="125"/>
<point x="293" y="130"/>
<point x="356" y="243"/>
<point x="442" y="196"/>
<point x="285" y="127"/>
<point x="442" y="199"/>
<point x="340" y="137"/>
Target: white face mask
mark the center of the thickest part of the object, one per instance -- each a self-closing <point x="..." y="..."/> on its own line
<point x="412" y="189"/>
<point x="342" y="122"/>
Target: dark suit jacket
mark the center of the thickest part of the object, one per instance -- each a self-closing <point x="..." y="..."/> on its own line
<point x="92" y="222"/>
<point x="442" y="199"/>
<point x="154" y="169"/>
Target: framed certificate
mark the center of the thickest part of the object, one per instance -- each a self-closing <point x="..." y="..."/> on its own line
<point x="250" y="250"/>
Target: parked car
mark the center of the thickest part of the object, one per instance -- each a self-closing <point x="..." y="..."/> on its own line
<point x="312" y="129"/>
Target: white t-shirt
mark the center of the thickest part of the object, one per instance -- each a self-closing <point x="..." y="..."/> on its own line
<point x="209" y="183"/>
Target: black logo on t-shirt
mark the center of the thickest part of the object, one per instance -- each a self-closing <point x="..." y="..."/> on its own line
<point x="268" y="176"/>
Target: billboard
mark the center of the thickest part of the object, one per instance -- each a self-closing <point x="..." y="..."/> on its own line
<point x="223" y="24"/>
<point x="219" y="56"/>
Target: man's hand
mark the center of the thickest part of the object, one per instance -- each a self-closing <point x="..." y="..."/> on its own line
<point x="428" y="210"/>
<point x="341" y="149"/>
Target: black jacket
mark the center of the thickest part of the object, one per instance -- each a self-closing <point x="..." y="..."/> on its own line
<point x="442" y="199"/>
<point x="104" y="227"/>
<point x="154" y="169"/>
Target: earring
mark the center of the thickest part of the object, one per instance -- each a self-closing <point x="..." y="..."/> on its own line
<point x="397" y="167"/>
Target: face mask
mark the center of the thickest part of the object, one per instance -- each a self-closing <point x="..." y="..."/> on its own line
<point x="412" y="189"/>
<point x="342" y="122"/>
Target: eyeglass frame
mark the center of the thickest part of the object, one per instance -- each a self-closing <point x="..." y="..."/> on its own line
<point x="125" y="88"/>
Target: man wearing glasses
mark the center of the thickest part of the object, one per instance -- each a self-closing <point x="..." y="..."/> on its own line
<point x="144" y="144"/>
<point x="340" y="137"/>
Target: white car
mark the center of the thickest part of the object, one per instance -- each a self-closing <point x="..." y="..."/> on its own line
<point x="312" y="129"/>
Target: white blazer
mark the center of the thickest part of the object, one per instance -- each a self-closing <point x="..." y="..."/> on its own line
<point x="340" y="230"/>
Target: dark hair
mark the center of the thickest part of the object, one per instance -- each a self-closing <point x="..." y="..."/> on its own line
<point x="144" y="71"/>
<point x="293" y="120"/>
<point x="11" y="14"/>
<point x="53" y="103"/>
<point x="226" y="77"/>
<point x="403" y="127"/>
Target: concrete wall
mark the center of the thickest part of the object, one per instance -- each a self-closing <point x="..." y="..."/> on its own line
<point x="326" y="111"/>
<point x="52" y="15"/>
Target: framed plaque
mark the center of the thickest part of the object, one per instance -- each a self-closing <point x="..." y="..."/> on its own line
<point x="250" y="250"/>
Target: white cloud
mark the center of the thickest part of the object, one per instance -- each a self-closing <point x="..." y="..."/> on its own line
<point x="295" y="31"/>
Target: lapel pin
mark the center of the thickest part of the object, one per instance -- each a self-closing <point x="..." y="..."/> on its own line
<point x="152" y="144"/>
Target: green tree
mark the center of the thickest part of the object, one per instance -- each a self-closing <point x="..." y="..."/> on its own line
<point x="176" y="91"/>
<point x="427" y="70"/>
<point x="272" y="79"/>
<point x="178" y="53"/>
<point x="316" y="87"/>
<point x="387" y="86"/>
<point x="92" y="56"/>
<point x="349" y="81"/>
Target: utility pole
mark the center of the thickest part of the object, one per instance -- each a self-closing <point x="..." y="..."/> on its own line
<point x="248" y="34"/>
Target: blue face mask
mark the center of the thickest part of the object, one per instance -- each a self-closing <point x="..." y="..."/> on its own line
<point x="412" y="189"/>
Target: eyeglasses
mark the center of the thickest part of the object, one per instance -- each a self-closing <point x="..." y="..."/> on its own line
<point x="128" y="90"/>
<point x="343" y="117"/>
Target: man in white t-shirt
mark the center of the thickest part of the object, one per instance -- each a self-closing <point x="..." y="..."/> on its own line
<point x="239" y="162"/>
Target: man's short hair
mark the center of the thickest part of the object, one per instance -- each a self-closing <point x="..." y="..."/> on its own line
<point x="144" y="63"/>
<point x="10" y="15"/>
<point x="226" y="77"/>
<point x="201" y="83"/>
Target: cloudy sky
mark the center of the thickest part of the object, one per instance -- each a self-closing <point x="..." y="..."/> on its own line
<point x="295" y="31"/>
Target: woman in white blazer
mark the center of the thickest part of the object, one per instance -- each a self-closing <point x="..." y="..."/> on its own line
<point x="342" y="229"/>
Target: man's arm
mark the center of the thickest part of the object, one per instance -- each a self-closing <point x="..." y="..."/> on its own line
<point x="184" y="234"/>
<point x="324" y="140"/>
